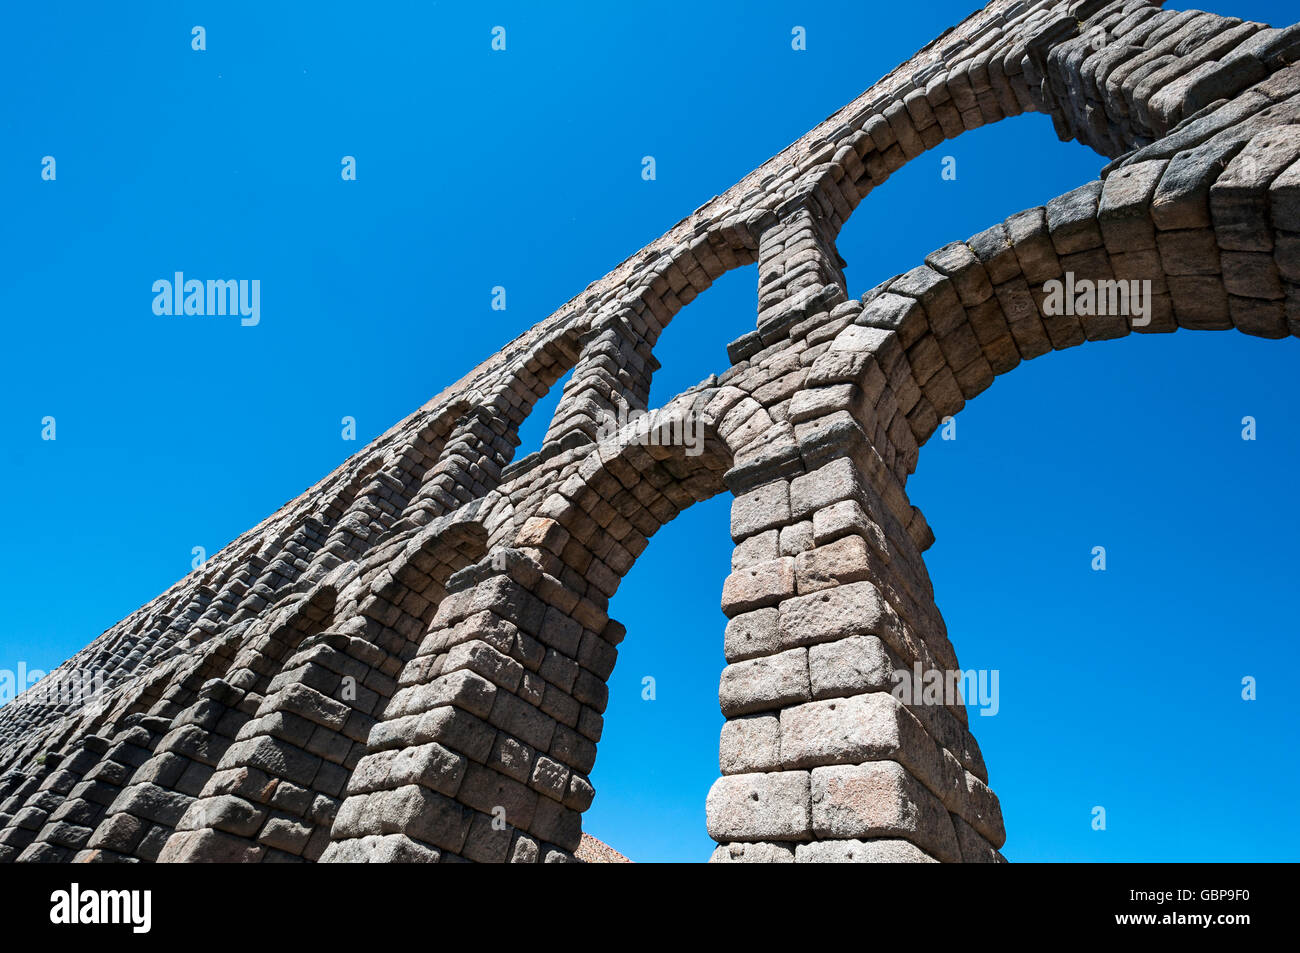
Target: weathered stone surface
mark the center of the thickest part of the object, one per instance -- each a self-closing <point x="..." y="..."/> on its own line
<point x="763" y="584"/>
<point x="761" y="509"/>
<point x="751" y="634"/>
<point x="843" y="611"/>
<point x="868" y="727"/>
<point x="757" y="853"/>
<point x="840" y="562"/>
<point x="880" y="800"/>
<point x="851" y="666"/>
<point x="883" y="850"/>
<point x="750" y="743"/>
<point x="756" y="807"/>
<point x="765" y="683"/>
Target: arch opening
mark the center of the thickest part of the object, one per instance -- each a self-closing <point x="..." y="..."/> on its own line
<point x="1132" y="668"/>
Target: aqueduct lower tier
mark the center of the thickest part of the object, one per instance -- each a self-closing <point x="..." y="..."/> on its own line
<point x="419" y="645"/>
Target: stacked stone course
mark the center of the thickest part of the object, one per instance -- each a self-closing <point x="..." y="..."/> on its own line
<point x="409" y="661"/>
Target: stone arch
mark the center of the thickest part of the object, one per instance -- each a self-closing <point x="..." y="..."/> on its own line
<point x="1114" y="75"/>
<point x="1209" y="229"/>
<point x="616" y="361"/>
<point x="814" y="727"/>
<point x="383" y="490"/>
<point x="473" y="609"/>
<point x="96" y="771"/>
<point x="86" y="767"/>
<point x="502" y="706"/>
<point x="272" y="790"/>
<point x="528" y="377"/>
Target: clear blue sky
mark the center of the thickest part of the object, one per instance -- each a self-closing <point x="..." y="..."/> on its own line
<point x="522" y="169"/>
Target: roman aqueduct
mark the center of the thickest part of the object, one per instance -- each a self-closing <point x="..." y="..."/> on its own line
<point x="409" y="661"/>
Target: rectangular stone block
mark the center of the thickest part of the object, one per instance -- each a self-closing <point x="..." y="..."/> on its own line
<point x="842" y="519"/>
<point x="850" y="666"/>
<point x="456" y="730"/>
<point x="760" y="807"/>
<point x="974" y="848"/>
<point x="836" y="481"/>
<point x="964" y="269"/>
<point x="416" y="812"/>
<point x="1072" y="219"/>
<point x="276" y="757"/>
<point x="431" y="765"/>
<point x="883" y="850"/>
<point x="837" y="613"/>
<point x="756" y="549"/>
<point x="753" y="853"/>
<point x="871" y="727"/>
<point x="750" y="743"/>
<point x="1239" y="202"/>
<point x="880" y="799"/>
<point x="841" y="562"/>
<point x="488" y="791"/>
<point x="1191" y="251"/>
<point x="1124" y="212"/>
<point x="757" y="586"/>
<point x="1023" y="319"/>
<point x="1200" y="303"/>
<point x="524" y="721"/>
<point x="1033" y="243"/>
<point x="751" y="634"/>
<point x="760" y="509"/>
<point x="765" y="683"/>
<point x="984" y="811"/>
<point x="485" y="660"/>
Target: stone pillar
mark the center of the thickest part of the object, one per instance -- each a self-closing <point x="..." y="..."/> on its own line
<point x="799" y="271"/>
<point x="484" y="750"/>
<point x="469" y="466"/>
<point x="820" y="759"/>
<point x="827" y="600"/>
<point x="277" y="787"/>
<point x="611" y="378"/>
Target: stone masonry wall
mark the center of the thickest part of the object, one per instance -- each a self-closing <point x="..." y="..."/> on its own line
<point x="409" y="661"/>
